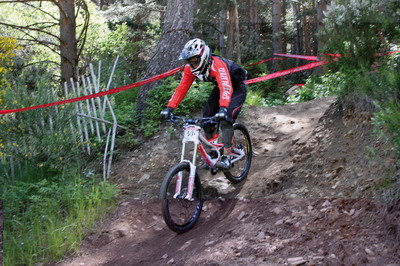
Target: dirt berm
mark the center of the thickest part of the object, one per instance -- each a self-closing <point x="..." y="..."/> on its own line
<point x="308" y="199"/>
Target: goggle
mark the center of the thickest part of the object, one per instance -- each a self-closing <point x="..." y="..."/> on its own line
<point x="193" y="61"/>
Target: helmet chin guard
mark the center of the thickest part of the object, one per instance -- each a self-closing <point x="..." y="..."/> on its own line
<point x="196" y="48"/>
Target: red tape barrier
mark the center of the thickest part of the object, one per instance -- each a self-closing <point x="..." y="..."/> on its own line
<point x="390" y="53"/>
<point x="102" y="93"/>
<point x="173" y="71"/>
<point x="305" y="57"/>
<point x="263" y="61"/>
<point x="287" y="72"/>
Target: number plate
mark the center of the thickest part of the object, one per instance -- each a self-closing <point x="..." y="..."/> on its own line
<point x="191" y="134"/>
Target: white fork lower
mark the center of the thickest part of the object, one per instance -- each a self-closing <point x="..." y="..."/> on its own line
<point x="192" y="174"/>
<point x="178" y="186"/>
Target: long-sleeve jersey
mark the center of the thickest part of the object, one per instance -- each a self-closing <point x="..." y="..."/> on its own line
<point x="223" y="73"/>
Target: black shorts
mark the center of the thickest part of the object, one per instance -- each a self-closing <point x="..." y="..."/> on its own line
<point x="238" y="97"/>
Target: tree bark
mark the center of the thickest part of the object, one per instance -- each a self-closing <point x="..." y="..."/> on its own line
<point x="283" y="29"/>
<point x="298" y="47"/>
<point x="233" y="39"/>
<point x="277" y="39"/>
<point x="68" y="42"/>
<point x="321" y="7"/>
<point x="307" y="35"/>
<point x="253" y="26"/>
<point x="221" y="31"/>
<point x="254" y="21"/>
<point x="177" y="30"/>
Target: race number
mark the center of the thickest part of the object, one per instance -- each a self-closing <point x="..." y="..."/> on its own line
<point x="191" y="134"/>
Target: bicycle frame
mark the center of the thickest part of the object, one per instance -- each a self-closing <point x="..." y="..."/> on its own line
<point x="192" y="133"/>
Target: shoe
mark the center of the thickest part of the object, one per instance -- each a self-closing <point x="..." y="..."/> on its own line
<point x="224" y="163"/>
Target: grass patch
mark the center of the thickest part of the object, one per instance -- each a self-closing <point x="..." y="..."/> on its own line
<point x="47" y="219"/>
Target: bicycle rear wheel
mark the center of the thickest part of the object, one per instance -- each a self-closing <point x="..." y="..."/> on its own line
<point x="180" y="214"/>
<point x="241" y="143"/>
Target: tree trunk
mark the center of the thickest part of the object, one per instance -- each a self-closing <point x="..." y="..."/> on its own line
<point x="283" y="29"/>
<point x="221" y="31"/>
<point x="68" y="43"/>
<point x="313" y="24"/>
<point x="307" y="35"/>
<point x="298" y="48"/>
<point x="177" y="30"/>
<point x="233" y="40"/>
<point x="254" y="21"/>
<point x="162" y="3"/>
<point x="321" y="7"/>
<point x="277" y="40"/>
<point x="253" y="28"/>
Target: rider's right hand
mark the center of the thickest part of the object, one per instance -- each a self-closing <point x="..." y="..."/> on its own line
<point x="167" y="113"/>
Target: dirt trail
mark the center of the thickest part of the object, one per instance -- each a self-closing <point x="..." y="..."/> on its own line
<point x="299" y="205"/>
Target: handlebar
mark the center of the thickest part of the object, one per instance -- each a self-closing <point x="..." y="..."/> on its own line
<point x="193" y="121"/>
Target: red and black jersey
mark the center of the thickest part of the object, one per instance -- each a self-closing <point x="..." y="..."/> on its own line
<point x="224" y="73"/>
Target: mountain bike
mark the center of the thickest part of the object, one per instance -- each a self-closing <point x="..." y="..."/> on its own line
<point x="181" y="191"/>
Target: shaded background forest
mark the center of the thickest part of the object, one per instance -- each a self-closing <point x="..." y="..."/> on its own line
<point x="45" y="175"/>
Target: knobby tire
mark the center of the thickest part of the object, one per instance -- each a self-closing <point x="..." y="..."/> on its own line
<point x="238" y="173"/>
<point x="169" y="203"/>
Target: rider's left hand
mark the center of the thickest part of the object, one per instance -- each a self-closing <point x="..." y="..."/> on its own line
<point x="222" y="114"/>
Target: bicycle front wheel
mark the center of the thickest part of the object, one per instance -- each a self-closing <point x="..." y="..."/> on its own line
<point x="241" y="144"/>
<point x="180" y="214"/>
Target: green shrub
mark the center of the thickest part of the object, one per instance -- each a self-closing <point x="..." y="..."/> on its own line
<point x="379" y="83"/>
<point x="387" y="122"/>
<point x="158" y="99"/>
<point x="47" y="206"/>
<point x="39" y="138"/>
<point x="195" y="99"/>
<point x="271" y="86"/>
<point x="352" y="29"/>
<point x="276" y="98"/>
<point x="318" y="86"/>
<point x="45" y="220"/>
<point x="255" y="99"/>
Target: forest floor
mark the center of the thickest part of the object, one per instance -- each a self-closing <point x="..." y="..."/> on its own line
<point x="308" y="199"/>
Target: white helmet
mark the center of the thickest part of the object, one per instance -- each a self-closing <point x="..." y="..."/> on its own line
<point x="197" y="54"/>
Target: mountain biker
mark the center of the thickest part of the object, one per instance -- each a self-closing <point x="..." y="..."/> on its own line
<point x="225" y="100"/>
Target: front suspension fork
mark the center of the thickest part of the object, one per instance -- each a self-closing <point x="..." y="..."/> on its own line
<point x="192" y="175"/>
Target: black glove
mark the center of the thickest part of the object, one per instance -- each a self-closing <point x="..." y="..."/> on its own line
<point x="167" y="113"/>
<point x="222" y="114"/>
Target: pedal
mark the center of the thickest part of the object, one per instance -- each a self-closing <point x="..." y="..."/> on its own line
<point x="213" y="171"/>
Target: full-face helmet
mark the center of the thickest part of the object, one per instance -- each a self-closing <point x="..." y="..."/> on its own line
<point x="197" y="54"/>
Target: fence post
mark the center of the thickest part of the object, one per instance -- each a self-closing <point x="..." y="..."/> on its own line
<point x="96" y="86"/>
<point x="89" y="89"/>
<point x="77" y="119"/>
<point x="79" y="108"/>
<point x="105" y="156"/>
